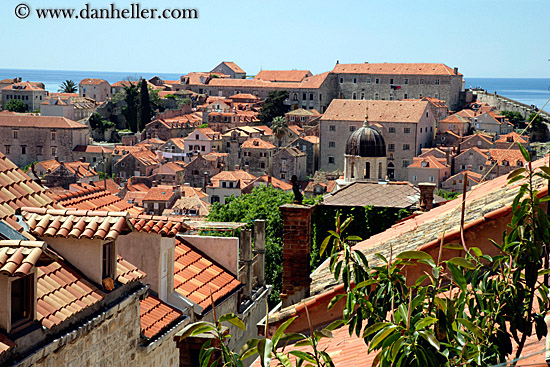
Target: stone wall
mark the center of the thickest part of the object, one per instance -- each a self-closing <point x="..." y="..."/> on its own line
<point x="113" y="342"/>
<point x="506" y="104"/>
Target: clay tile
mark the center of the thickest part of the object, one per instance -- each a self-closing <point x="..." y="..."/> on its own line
<point x="102" y="230"/>
<point x="24" y="269"/>
<point x="147" y="227"/>
<point x="90" y="229"/>
<point x="53" y="227"/>
<point x="78" y="228"/>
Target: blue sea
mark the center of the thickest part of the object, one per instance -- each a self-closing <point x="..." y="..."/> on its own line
<point x="531" y="91"/>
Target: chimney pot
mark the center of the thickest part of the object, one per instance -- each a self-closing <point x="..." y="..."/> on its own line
<point x="426" y="195"/>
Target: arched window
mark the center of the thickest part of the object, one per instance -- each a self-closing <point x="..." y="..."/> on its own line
<point x="380" y="177"/>
<point x="352" y="170"/>
<point x="367" y="170"/>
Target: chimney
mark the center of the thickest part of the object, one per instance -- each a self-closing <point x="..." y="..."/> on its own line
<point x="245" y="261"/>
<point x="456" y="71"/>
<point x="246" y="167"/>
<point x="296" y="252"/>
<point x="448" y="156"/>
<point x="259" y="250"/>
<point x="237" y="167"/>
<point x="205" y="179"/>
<point x="426" y="195"/>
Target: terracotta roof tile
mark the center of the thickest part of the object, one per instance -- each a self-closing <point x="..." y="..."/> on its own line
<point x="127" y="272"/>
<point x="94" y="198"/>
<point x="156" y="316"/>
<point x="257" y="143"/>
<point x="62" y="292"/>
<point x="197" y="275"/>
<point x="44" y="122"/>
<point x="395" y="69"/>
<point x="17" y="258"/>
<point x="295" y="76"/>
<point x="379" y="111"/>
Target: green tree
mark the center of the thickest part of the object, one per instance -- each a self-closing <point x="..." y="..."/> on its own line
<point x="144" y="105"/>
<point x="16" y="105"/>
<point x="538" y="127"/>
<point x="261" y="203"/>
<point x="68" y="86"/>
<point x="97" y="122"/>
<point x="447" y="194"/>
<point x="274" y="106"/>
<point x="130" y="111"/>
<point x="279" y="127"/>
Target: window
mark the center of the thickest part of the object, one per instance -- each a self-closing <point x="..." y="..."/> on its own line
<point x="406" y="81"/>
<point x="53" y="135"/>
<point x="223" y="184"/>
<point x="332" y="128"/>
<point x="352" y="128"/>
<point x="302" y="119"/>
<point x="368" y="80"/>
<point x="420" y="129"/>
<point x="421" y="81"/>
<point x="414" y="178"/>
<point x="283" y="176"/>
<point x="331" y="160"/>
<point x="22" y="300"/>
<point x="354" y="95"/>
<point x="376" y="96"/>
<point x="362" y="95"/>
<point x="407" y="130"/>
<point x="331" y="144"/>
<point x="202" y="148"/>
<point x="311" y="96"/>
<point x="262" y="165"/>
<point x="431" y="179"/>
<point x="355" y="80"/>
<point x="228" y="144"/>
<point x="405" y="96"/>
<point x="108" y="258"/>
<point x="406" y="147"/>
<point x="7" y="149"/>
<point x="341" y="80"/>
<point x="405" y="163"/>
<point x="304" y="96"/>
<point x="23" y="149"/>
<point x="16" y="134"/>
<point x="437" y="82"/>
<point x="391" y="81"/>
<point x="196" y="136"/>
<point x="391" y="146"/>
<point x="54" y="152"/>
<point x="376" y="81"/>
<point x="480" y="168"/>
<point x="391" y="97"/>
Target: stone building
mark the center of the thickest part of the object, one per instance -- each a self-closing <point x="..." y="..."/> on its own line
<point x="455" y="183"/>
<point x="288" y="162"/>
<point x="73" y="108"/>
<point x="201" y="141"/>
<point x="136" y="163"/>
<point x="281" y="76"/>
<point x="231" y="69"/>
<point x="310" y="146"/>
<point x="177" y="126"/>
<point x="98" y="156"/>
<point x="201" y="169"/>
<point x="257" y="155"/>
<point x="160" y="198"/>
<point x="302" y="117"/>
<point x="28" y="138"/>
<point x="492" y="123"/>
<point x="406" y="126"/>
<point x="429" y="169"/>
<point x="393" y="81"/>
<point x="481" y="141"/>
<point x="472" y="159"/>
<point x="98" y="89"/>
<point x="32" y="94"/>
<point x="226" y="184"/>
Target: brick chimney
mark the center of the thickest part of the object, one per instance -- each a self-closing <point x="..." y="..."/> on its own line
<point x="426" y="195"/>
<point x="205" y="179"/>
<point x="296" y="252"/>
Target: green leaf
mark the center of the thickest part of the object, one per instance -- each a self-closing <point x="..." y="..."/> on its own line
<point x="249" y="348"/>
<point x="197" y="328"/>
<point x="374" y="328"/>
<point x="460" y="261"/>
<point x="264" y="349"/>
<point x="304" y="343"/>
<point x="430" y="338"/>
<point x="425" y="322"/>
<point x="302" y="355"/>
<point x="396" y="346"/>
<point x="471" y="326"/>
<point x="515" y="172"/>
<point x="335" y="324"/>
<point x="233" y="319"/>
<point x="458" y="277"/>
<point x="477" y="251"/>
<point x="334" y="300"/>
<point x="353" y="238"/>
<point x="453" y="246"/>
<point x="293" y="336"/>
<point x="366" y="283"/>
<point x="324" y="244"/>
<point x="524" y="152"/>
<point x="280" y="330"/>
<point x="382" y="334"/>
<point x="515" y="179"/>
<point x="285" y="361"/>
<point x="414" y="255"/>
<point x="545" y="169"/>
<point x="324" y="333"/>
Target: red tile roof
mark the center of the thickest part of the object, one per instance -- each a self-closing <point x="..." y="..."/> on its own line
<point x="92" y="149"/>
<point x="42" y="122"/>
<point x="196" y="275"/>
<point x="18" y="190"/>
<point x="257" y="143"/>
<point x="231" y="65"/>
<point x="513" y="156"/>
<point x="155" y="316"/>
<point x="76" y="223"/>
<point x="165" y="226"/>
<point x="126" y="272"/>
<point x="18" y="258"/>
<point x="23" y="86"/>
<point x="395" y="69"/>
<point x="429" y="162"/>
<point x="243" y="178"/>
<point x="379" y="111"/>
<point x="62" y="292"/>
<point x="159" y="194"/>
<point x="515" y="137"/>
<point x="93" y="81"/>
<point x="295" y="76"/>
<point x="95" y="198"/>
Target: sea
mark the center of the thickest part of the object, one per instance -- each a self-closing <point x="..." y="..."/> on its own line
<point x="531" y="91"/>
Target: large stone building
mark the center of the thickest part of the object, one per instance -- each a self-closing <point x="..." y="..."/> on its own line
<point x="407" y="127"/>
<point x="27" y="138"/>
<point x="288" y="162"/>
<point x="31" y="94"/>
<point x="230" y="69"/>
<point x="98" y="89"/>
<point x="393" y="81"/>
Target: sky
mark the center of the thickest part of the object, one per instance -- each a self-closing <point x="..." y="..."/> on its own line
<point x="483" y="38"/>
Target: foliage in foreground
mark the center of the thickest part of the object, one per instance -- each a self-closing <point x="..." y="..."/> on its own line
<point x="463" y="311"/>
<point x="16" y="105"/>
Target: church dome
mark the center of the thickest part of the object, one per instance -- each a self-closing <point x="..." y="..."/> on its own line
<point x="366" y="142"/>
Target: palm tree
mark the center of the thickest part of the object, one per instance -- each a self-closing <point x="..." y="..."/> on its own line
<point x="278" y="126"/>
<point x="68" y="86"/>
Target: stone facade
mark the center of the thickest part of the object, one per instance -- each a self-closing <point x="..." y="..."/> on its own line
<point x="404" y="137"/>
<point x="28" y="93"/>
<point x="98" y="89"/>
<point x="472" y="159"/>
<point x="310" y="146"/>
<point x="199" y="171"/>
<point x="289" y="161"/>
